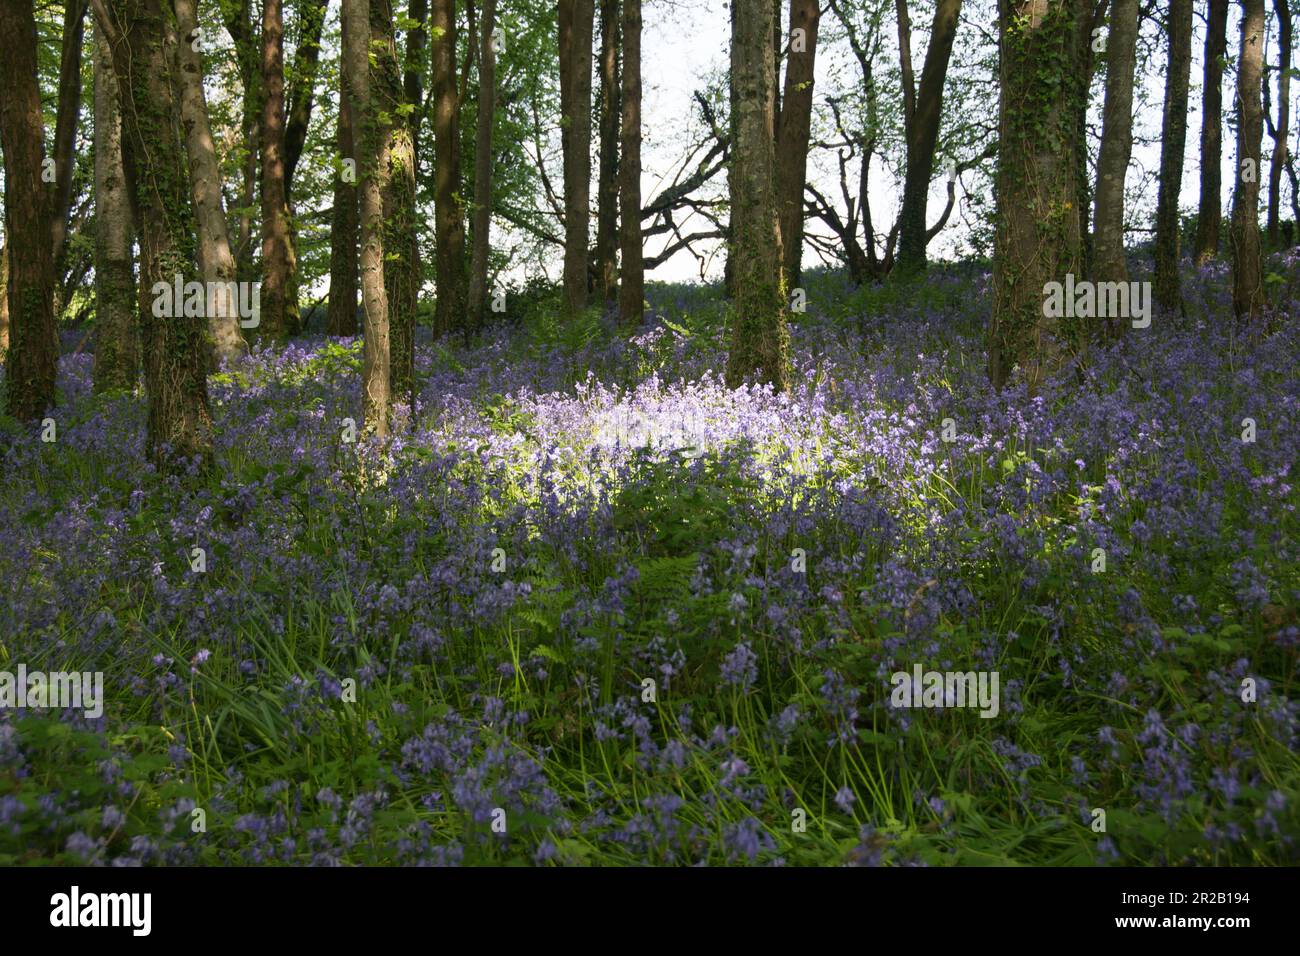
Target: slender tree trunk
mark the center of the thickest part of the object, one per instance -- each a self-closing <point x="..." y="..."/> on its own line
<point x="1280" y="132"/>
<point x="729" y="267"/>
<point x="117" y="347"/>
<point x="922" y="136"/>
<point x="631" y="290"/>
<point x="1210" y="211"/>
<point x="487" y="79"/>
<point x="32" y="359"/>
<point x="216" y="260"/>
<point x="345" y="222"/>
<point x="760" y="341"/>
<point x="397" y="188"/>
<point x="1173" y="137"/>
<point x="1116" y="144"/>
<point x="576" y="23"/>
<point x="1087" y="63"/>
<point x="449" y="211"/>
<point x="1037" y="239"/>
<point x="174" y="343"/>
<point x="1247" y="267"/>
<point x="248" y="57"/>
<point x="607" y="193"/>
<point x="302" y="92"/>
<point x="376" y="396"/>
<point x="279" y="263"/>
<point x="792" y="135"/>
<point x="65" y="128"/>
<point x="4" y="297"/>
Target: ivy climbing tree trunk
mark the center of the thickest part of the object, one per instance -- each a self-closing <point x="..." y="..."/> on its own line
<point x="345" y="219"/>
<point x="117" y="348"/>
<point x="279" y="261"/>
<point x="1173" y="138"/>
<point x="397" y="187"/>
<point x="1037" y="238"/>
<point x="32" y="358"/>
<point x="1116" y="145"/>
<point x="922" y="135"/>
<point x="1210" y="211"/>
<point x="487" y="81"/>
<point x="376" y="396"/>
<point x="175" y="345"/>
<point x="792" y="136"/>
<point x="760" y="341"/>
<point x="216" y="260"/>
<point x="631" y="289"/>
<point x="576" y="25"/>
<point x="1247" y="267"/>
<point x="607" y="191"/>
<point x="449" y="211"/>
<point x="1280" y="132"/>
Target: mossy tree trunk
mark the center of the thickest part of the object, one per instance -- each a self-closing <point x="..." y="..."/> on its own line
<point x="760" y="340"/>
<point x="1037" y="238"/>
<point x="175" y="346"/>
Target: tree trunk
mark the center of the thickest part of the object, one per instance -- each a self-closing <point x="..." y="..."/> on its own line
<point x="342" y="316"/>
<point x="1247" y="268"/>
<point x="1037" y="240"/>
<point x="487" y="79"/>
<point x="1173" y="137"/>
<point x="1116" y="145"/>
<point x="117" y="348"/>
<point x="65" y="128"/>
<point x="279" y="262"/>
<point x="397" y="190"/>
<point x="449" y="211"/>
<point x="376" y="396"/>
<point x="32" y="360"/>
<point x="631" y="290"/>
<point x="248" y="57"/>
<point x="174" y="343"/>
<point x="216" y="261"/>
<point x="922" y="135"/>
<point x="576" y="23"/>
<point x="4" y="297"/>
<point x="1210" y="211"/>
<point x="302" y="93"/>
<point x="792" y="136"/>
<point x="607" y="193"/>
<point x="760" y="341"/>
<point x="1277" y="161"/>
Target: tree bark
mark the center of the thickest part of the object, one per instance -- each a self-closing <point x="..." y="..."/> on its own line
<point x="1037" y="238"/>
<point x="631" y="290"/>
<point x="376" y="393"/>
<point x="792" y="136"/>
<point x="345" y="220"/>
<point x="1173" y="138"/>
<point x="576" y="24"/>
<point x="449" y="211"/>
<point x="216" y="260"/>
<point x="607" y="192"/>
<point x="117" y="347"/>
<point x="248" y="57"/>
<point x="4" y="297"/>
<point x="174" y="344"/>
<point x="1247" y="267"/>
<point x="65" y="127"/>
<point x="279" y="261"/>
<point x="1210" y="211"/>
<point x="1280" y="132"/>
<point x="1109" y="264"/>
<point x="32" y="360"/>
<point x="397" y="188"/>
<point x="487" y="79"/>
<point x="302" y="93"/>
<point x="760" y="341"/>
<point x="922" y="134"/>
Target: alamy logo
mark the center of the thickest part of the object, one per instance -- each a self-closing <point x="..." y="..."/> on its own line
<point x="103" y="909"/>
<point x="946" y="689"/>
<point x="201" y="299"/>
<point x="57" y="689"/>
<point x="1098" y="300"/>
